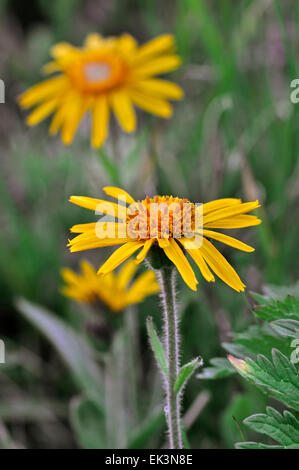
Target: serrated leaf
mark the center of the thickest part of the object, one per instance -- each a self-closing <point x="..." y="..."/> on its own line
<point x="278" y="377"/>
<point x="278" y="309"/>
<point x="275" y="425"/>
<point x="289" y="328"/>
<point x="186" y="372"/>
<point x="156" y="345"/>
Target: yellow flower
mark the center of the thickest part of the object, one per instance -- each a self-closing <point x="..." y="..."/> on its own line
<point x="134" y="227"/>
<point x="117" y="291"/>
<point x="105" y="74"/>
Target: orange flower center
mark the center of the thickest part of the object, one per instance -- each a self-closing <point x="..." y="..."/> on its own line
<point x="98" y="72"/>
<point x="161" y="217"/>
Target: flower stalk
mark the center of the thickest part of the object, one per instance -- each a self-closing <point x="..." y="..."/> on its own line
<point x="172" y="408"/>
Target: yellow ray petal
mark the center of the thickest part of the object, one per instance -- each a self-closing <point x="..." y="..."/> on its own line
<point x="51" y="87"/>
<point x="95" y="243"/>
<point x="231" y="211"/>
<point x="77" y="109"/>
<point x="119" y="256"/>
<point x="220" y="266"/>
<point x="42" y="111"/>
<point x="219" y="204"/>
<point x="99" y="205"/>
<point x="127" y="44"/>
<point x="151" y="104"/>
<point x="93" y="41"/>
<point x="69" y="276"/>
<point x="159" y="65"/>
<point x="238" y="221"/>
<point x="100" y="121"/>
<point x="227" y="240"/>
<point x="126" y="274"/>
<point x="197" y="257"/>
<point x="64" y="50"/>
<point x="145" y="285"/>
<point x="160" y="89"/>
<point x="160" y="45"/>
<point x="141" y="256"/>
<point x="115" y="192"/>
<point x="176" y="255"/>
<point x="124" y="111"/>
<point x="80" y="228"/>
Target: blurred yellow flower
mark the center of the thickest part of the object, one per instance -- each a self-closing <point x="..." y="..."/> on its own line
<point x="117" y="291"/>
<point x="134" y="227"/>
<point x="105" y="74"/>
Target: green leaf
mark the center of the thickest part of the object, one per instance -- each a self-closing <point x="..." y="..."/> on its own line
<point x="186" y="372"/>
<point x="283" y="428"/>
<point x="88" y="422"/>
<point x="255" y="445"/>
<point x="221" y="368"/>
<point x="289" y="328"/>
<point x="278" y="377"/>
<point x="156" y="345"/>
<point x="73" y="349"/>
<point x="276" y="309"/>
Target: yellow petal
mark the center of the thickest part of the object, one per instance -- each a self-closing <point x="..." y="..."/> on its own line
<point x="197" y="257"/>
<point x="51" y="87"/>
<point x="141" y="256"/>
<point x="219" y="204"/>
<point x="151" y="104"/>
<point x="99" y="205"/>
<point x="126" y="274"/>
<point x="160" y="45"/>
<point x="100" y="121"/>
<point x="93" y="41"/>
<point x="119" y="256"/>
<point x="231" y="211"/>
<point x="69" y="276"/>
<point x="238" y="221"/>
<point x="80" y="228"/>
<point x="90" y="244"/>
<point x="220" y="266"/>
<point x="41" y="112"/>
<point x="63" y="49"/>
<point x="227" y="240"/>
<point x="176" y="255"/>
<point x="124" y="111"/>
<point x="115" y="192"/>
<point x="127" y="44"/>
<point x="158" y="65"/>
<point x="144" y="285"/>
<point x="76" y="111"/>
<point x="160" y="89"/>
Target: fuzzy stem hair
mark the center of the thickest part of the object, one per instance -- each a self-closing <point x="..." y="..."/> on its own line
<point x="172" y="408"/>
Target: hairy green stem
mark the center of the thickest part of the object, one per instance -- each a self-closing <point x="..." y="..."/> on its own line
<point x="172" y="408"/>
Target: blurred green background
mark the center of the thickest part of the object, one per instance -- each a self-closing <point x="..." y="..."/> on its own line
<point x="234" y="135"/>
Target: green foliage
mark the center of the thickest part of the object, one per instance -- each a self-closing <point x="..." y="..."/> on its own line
<point x="273" y="372"/>
<point x="186" y="371"/>
<point x="88" y="422"/>
<point x="283" y="428"/>
<point x="156" y="346"/>
<point x="75" y="351"/>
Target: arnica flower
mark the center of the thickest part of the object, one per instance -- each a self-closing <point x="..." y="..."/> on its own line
<point x="135" y="228"/>
<point x="116" y="291"/>
<point x="105" y="74"/>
